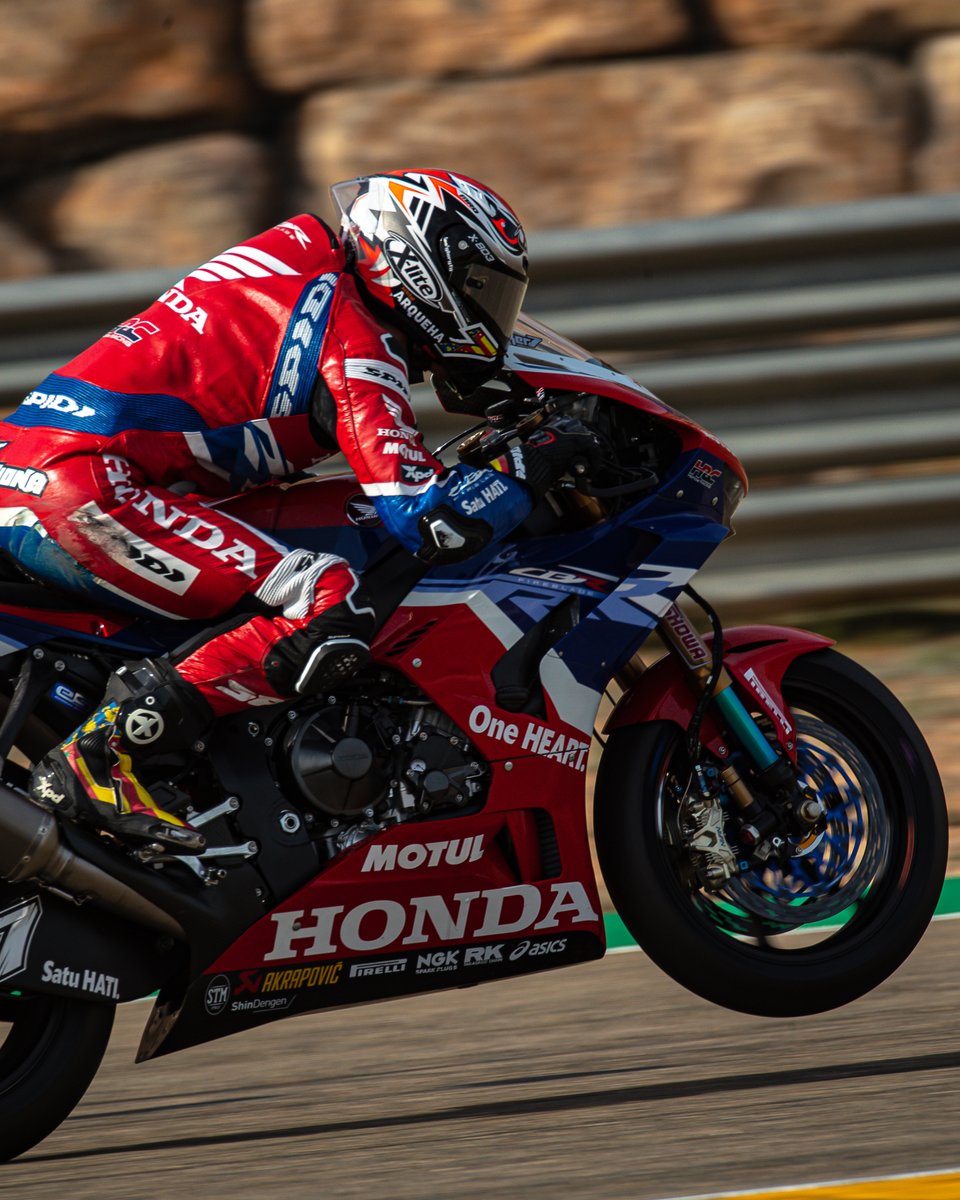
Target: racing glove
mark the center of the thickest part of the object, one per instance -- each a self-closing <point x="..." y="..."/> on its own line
<point x="549" y="452"/>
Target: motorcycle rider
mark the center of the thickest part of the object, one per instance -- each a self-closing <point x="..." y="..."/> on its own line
<point x="256" y="365"/>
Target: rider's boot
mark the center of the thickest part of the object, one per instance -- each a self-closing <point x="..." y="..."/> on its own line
<point x="93" y="776"/>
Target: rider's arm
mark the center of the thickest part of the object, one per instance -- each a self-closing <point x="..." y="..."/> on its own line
<point x="441" y="514"/>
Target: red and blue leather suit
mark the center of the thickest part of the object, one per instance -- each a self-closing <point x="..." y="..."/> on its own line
<point x="254" y="366"/>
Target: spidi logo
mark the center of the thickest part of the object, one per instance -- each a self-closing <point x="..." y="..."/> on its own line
<point x="379" y="924"/>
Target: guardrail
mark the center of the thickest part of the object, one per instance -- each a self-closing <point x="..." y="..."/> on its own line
<point x="823" y="344"/>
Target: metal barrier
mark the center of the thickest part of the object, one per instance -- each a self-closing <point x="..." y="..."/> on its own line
<point x="823" y="344"/>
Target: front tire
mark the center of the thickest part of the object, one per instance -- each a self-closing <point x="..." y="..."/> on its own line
<point x="843" y="915"/>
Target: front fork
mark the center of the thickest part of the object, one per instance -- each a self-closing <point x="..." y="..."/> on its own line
<point x="775" y="807"/>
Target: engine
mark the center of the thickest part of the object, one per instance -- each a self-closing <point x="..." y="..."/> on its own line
<point x="360" y="766"/>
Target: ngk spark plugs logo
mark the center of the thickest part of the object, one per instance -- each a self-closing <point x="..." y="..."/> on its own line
<point x="382" y="924"/>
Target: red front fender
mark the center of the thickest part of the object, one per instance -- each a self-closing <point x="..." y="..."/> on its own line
<point x="757" y="657"/>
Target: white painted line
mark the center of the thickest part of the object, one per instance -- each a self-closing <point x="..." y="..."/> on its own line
<point x="788" y="1189"/>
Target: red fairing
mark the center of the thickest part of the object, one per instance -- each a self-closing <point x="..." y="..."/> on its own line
<point x="757" y="656"/>
<point x="315" y="503"/>
<point x="621" y="387"/>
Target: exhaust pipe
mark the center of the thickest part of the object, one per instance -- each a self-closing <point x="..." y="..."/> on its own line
<point x="30" y="848"/>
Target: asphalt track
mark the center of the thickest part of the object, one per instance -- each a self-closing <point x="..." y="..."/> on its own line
<point x="605" y="1080"/>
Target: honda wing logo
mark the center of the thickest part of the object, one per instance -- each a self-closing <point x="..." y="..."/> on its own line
<point x="239" y="262"/>
<point x="17" y="927"/>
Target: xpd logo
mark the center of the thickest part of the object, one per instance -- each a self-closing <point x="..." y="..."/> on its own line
<point x="17" y="927"/>
<point x="410" y="473"/>
<point x="156" y="563"/>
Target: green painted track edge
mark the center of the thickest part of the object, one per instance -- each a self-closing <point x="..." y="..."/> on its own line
<point x="948" y="906"/>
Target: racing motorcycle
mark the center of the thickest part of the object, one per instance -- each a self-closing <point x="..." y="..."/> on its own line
<point x="769" y="822"/>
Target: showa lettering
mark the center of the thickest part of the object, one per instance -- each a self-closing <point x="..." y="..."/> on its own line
<point x="534" y="738"/>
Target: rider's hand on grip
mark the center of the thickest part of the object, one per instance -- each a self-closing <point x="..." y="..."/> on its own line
<point x="560" y="445"/>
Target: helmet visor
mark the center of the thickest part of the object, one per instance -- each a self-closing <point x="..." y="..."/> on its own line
<point x="492" y="293"/>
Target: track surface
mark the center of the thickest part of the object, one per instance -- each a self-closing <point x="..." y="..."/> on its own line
<point x="604" y="1080"/>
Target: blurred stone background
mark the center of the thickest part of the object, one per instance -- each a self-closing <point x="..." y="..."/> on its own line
<point x="154" y="132"/>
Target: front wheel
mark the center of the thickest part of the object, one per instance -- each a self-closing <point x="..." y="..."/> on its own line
<point x="830" y="921"/>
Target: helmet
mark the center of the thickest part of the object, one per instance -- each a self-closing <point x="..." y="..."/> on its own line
<point x="445" y="260"/>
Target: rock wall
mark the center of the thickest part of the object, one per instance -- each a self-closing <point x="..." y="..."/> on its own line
<point x="155" y="132"/>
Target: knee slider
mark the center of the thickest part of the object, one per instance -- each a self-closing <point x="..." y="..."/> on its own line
<point x="351" y="618"/>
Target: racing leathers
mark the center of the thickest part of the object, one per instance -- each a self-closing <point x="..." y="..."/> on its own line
<point x="255" y="366"/>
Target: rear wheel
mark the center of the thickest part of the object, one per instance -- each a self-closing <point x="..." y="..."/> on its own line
<point x="50" y="1047"/>
<point x="829" y="920"/>
<point x="49" y="1054"/>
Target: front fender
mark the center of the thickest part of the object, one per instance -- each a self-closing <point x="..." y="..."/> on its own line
<point x="756" y="656"/>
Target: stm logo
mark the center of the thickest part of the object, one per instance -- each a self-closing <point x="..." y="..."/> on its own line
<point x="217" y="996"/>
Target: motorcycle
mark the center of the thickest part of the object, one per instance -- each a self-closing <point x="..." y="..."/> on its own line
<point x="769" y="822"/>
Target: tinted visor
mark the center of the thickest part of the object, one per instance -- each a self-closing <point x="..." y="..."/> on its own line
<point x="496" y="296"/>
